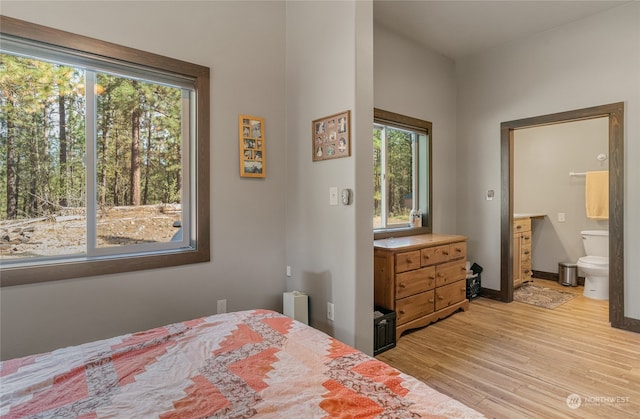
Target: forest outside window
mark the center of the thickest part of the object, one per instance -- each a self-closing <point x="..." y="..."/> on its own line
<point x="98" y="158"/>
<point x="402" y="173"/>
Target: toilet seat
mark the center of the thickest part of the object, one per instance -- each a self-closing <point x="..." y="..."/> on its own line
<point x="593" y="262"/>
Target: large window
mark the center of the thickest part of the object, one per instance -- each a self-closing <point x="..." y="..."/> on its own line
<point x="402" y="171"/>
<point x="98" y="147"/>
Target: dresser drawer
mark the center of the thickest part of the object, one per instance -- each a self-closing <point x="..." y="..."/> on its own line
<point x="414" y="282"/>
<point x="413" y="307"/>
<point x="433" y="255"/>
<point x="407" y="261"/>
<point x="458" y="251"/>
<point x="450" y="294"/>
<point x="450" y="272"/>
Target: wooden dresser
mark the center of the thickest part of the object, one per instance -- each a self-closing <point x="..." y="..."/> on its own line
<point x="422" y="278"/>
<point x="521" y="251"/>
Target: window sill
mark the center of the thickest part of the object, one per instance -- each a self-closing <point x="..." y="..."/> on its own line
<point x="399" y="232"/>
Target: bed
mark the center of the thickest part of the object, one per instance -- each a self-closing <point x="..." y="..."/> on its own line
<point x="242" y="364"/>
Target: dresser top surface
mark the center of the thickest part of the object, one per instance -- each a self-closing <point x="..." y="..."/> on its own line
<point x="417" y="241"/>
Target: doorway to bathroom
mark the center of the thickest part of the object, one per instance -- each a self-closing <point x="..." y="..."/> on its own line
<point x="550" y="163"/>
<point x="614" y="114"/>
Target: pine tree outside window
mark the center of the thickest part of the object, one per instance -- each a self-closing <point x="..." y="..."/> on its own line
<point x="101" y="153"/>
<point x="402" y="172"/>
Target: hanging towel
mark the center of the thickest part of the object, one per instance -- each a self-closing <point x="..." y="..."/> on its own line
<point x="596" y="194"/>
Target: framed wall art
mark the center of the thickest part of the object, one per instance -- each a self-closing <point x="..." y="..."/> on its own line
<point x="252" y="146"/>
<point x="331" y="136"/>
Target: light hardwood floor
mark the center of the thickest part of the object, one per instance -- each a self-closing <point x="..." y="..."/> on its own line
<point x="516" y="360"/>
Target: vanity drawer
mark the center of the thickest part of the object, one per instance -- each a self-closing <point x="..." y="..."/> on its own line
<point x="450" y="294"/>
<point x="407" y="261"/>
<point x="414" y="282"/>
<point x="450" y="272"/>
<point x="525" y="253"/>
<point x="521" y="224"/>
<point x="413" y="307"/>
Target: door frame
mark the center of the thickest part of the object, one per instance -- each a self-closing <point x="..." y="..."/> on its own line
<point x="615" y="114"/>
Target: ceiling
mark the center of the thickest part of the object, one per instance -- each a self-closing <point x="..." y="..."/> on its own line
<point x="457" y="29"/>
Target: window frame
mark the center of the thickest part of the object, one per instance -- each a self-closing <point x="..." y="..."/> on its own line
<point x="412" y="124"/>
<point x="77" y="267"/>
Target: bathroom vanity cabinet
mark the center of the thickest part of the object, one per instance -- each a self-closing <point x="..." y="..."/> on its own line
<point x="522" y="270"/>
<point x="422" y="278"/>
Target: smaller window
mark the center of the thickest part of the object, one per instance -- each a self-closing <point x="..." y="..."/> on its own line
<point x="402" y="172"/>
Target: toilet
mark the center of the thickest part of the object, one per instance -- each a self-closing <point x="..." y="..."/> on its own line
<point x="595" y="265"/>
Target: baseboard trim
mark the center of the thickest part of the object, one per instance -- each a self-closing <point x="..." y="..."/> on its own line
<point x="628" y="323"/>
<point x="489" y="293"/>
<point x="551" y="276"/>
<point x="546" y="275"/>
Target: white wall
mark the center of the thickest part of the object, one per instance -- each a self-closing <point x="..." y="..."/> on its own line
<point x="542" y="159"/>
<point x="413" y="81"/>
<point x="590" y="62"/>
<point x="330" y="252"/>
<point x="244" y="45"/>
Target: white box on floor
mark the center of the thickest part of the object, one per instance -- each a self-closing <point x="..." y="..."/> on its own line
<point x="295" y="304"/>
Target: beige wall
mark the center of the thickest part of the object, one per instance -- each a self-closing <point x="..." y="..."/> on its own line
<point x="416" y="82"/>
<point x="329" y="68"/>
<point x="543" y="158"/>
<point x="258" y="226"/>
<point x="590" y="62"/>
<point x="243" y="44"/>
<point x="287" y="214"/>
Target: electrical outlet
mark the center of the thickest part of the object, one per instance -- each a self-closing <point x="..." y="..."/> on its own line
<point x="561" y="217"/>
<point x="330" y="311"/>
<point x="288" y="270"/>
<point x="222" y="306"/>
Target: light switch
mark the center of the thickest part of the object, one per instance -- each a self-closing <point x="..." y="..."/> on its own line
<point x="561" y="217"/>
<point x="333" y="195"/>
<point x="490" y="194"/>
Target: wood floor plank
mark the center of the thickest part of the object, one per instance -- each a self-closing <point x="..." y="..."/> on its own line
<point x="516" y="360"/>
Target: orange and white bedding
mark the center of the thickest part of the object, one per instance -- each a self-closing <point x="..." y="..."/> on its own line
<point x="243" y="364"/>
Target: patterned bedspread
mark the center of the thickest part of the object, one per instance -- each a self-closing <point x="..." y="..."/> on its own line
<point x="243" y="364"/>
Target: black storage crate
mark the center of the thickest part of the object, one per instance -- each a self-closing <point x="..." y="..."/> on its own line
<point x="473" y="287"/>
<point x="384" y="331"/>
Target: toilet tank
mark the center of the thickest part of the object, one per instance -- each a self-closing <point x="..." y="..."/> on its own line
<point x="596" y="242"/>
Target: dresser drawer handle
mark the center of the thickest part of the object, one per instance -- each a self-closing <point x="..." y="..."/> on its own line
<point x="402" y="311"/>
<point x="445" y="252"/>
<point x="440" y="297"/>
<point x="518" y="227"/>
<point x="463" y="289"/>
<point x="463" y="269"/>
<point x="403" y="285"/>
<point x="432" y="277"/>
<point x="526" y="237"/>
<point x="427" y="257"/>
<point x="459" y="250"/>
<point x="431" y="300"/>
<point x="526" y="271"/>
<point x="526" y="252"/>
